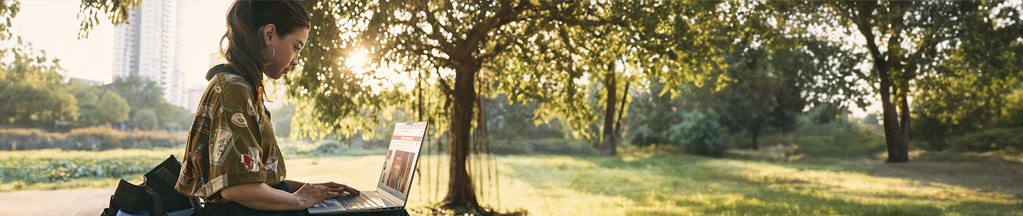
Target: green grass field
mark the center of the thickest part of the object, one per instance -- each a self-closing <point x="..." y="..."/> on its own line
<point x="628" y="185"/>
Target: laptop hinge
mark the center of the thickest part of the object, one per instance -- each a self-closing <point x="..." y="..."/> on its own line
<point x="387" y="198"/>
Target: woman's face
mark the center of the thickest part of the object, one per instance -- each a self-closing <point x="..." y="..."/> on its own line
<point x="282" y="51"/>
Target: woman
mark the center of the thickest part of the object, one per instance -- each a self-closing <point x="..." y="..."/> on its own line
<point x="232" y="160"/>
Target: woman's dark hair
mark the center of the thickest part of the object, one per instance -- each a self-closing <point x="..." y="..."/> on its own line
<point x="245" y="21"/>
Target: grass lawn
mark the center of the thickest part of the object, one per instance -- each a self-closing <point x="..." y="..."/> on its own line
<point x="648" y="185"/>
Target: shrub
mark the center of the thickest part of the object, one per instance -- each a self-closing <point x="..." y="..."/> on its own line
<point x="57" y="170"/>
<point x="989" y="140"/>
<point x="833" y="139"/>
<point x="91" y="138"/>
<point x="329" y="147"/>
<point x="700" y="133"/>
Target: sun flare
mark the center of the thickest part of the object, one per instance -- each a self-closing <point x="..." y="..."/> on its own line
<point x="357" y="59"/>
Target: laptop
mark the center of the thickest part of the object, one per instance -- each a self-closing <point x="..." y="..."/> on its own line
<point x="395" y="179"/>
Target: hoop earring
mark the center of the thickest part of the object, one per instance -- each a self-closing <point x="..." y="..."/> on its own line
<point x="272" y="54"/>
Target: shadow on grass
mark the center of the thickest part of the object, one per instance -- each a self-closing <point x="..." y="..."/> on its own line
<point x="691" y="184"/>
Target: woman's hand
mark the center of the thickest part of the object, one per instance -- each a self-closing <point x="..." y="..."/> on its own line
<point x="311" y="194"/>
<point x="340" y="188"/>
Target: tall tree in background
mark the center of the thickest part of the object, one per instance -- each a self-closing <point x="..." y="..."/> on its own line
<point x="982" y="75"/>
<point x="142" y="94"/>
<point x="904" y="39"/>
<point x="772" y="85"/>
<point x="583" y="74"/>
<point x="554" y="73"/>
<point x="115" y="108"/>
<point x="99" y="105"/>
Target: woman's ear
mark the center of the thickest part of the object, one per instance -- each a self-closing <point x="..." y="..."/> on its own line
<point x="269" y="31"/>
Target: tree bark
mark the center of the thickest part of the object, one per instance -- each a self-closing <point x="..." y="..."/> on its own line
<point x="461" y="192"/>
<point x="894" y="138"/>
<point x="897" y="142"/>
<point x="621" y="110"/>
<point x="609" y="112"/>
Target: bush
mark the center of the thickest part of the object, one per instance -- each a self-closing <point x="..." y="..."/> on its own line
<point x="700" y="133"/>
<point x="834" y="139"/>
<point x="329" y="147"/>
<point x="92" y="138"/>
<point x="989" y="140"/>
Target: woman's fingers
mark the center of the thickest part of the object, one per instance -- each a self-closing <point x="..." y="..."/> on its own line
<point x="339" y="188"/>
<point x="327" y="191"/>
<point x="321" y="191"/>
<point x="350" y="190"/>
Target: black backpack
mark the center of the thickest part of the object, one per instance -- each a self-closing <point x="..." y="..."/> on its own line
<point x="156" y="194"/>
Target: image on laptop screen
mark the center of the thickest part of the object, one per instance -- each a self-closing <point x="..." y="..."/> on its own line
<point x="400" y="162"/>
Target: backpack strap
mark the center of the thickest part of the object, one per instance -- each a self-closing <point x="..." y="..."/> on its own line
<point x="157" y="202"/>
<point x="195" y="205"/>
<point x="166" y="176"/>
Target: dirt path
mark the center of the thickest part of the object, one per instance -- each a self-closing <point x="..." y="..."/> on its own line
<point x="55" y="202"/>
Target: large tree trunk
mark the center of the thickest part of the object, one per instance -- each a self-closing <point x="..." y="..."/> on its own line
<point x="461" y="193"/>
<point x="897" y="143"/>
<point x="608" y="148"/>
<point x="903" y="145"/>
<point x="896" y="137"/>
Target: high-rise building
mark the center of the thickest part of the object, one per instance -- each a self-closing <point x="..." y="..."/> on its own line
<point x="150" y="46"/>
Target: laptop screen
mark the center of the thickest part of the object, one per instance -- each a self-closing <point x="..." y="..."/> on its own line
<point x="400" y="162"/>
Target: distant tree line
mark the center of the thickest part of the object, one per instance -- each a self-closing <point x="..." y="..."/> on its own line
<point x="34" y="94"/>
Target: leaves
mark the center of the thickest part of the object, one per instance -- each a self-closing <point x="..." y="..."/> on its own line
<point x="116" y="11"/>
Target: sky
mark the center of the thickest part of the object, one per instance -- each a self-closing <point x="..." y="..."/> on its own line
<point x="52" y="26"/>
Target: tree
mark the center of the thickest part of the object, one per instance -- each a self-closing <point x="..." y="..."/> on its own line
<point x="114" y="108"/>
<point x="916" y="36"/>
<point x="145" y="119"/>
<point x="87" y="99"/>
<point x="772" y="85"/>
<point x="982" y="75"/>
<point x="584" y="73"/>
<point x="32" y="89"/>
<point x="171" y="117"/>
<point x="444" y="43"/>
<point x="660" y="113"/>
<point x="142" y="94"/>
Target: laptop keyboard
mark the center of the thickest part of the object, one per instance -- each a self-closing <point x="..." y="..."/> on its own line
<point x="357" y="202"/>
